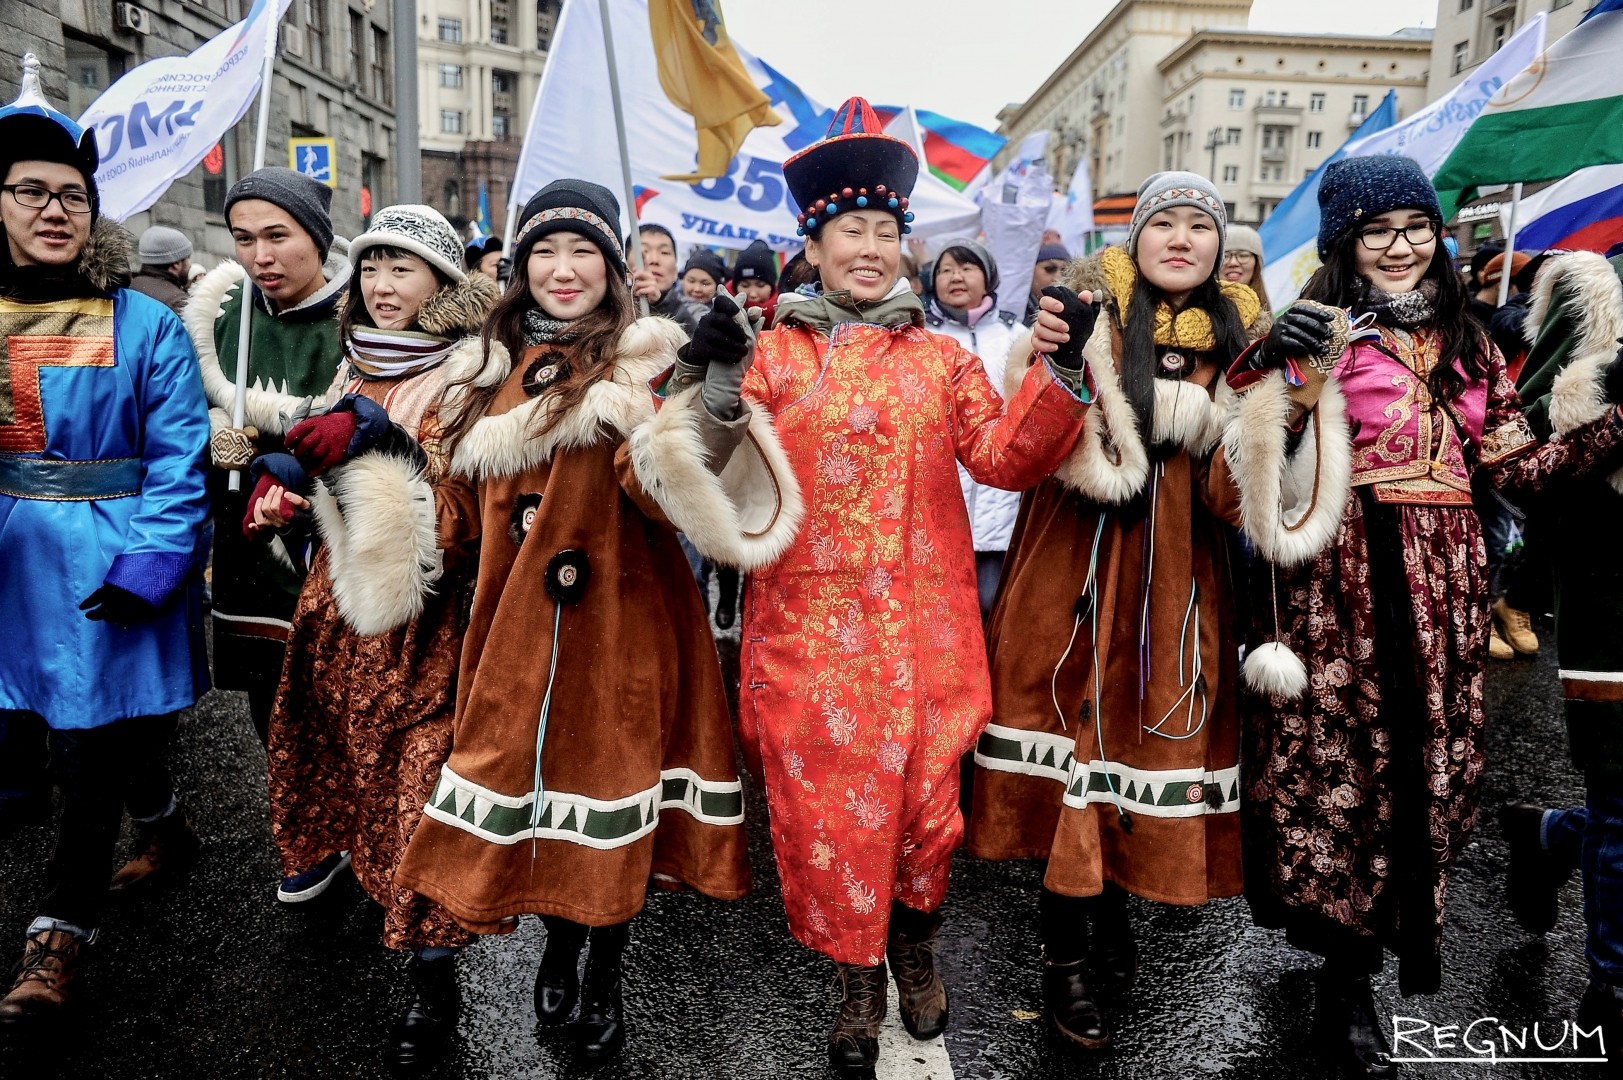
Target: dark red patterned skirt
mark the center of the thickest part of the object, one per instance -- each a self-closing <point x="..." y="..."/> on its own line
<point x="1360" y="796"/>
<point x="360" y="729"/>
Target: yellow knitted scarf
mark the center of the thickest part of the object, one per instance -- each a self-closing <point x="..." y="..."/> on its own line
<point x="1190" y="328"/>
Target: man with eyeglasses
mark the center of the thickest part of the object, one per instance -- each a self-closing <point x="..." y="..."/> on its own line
<point x="103" y="436"/>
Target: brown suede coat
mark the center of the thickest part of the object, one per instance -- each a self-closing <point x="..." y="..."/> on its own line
<point x="637" y="760"/>
<point x="1115" y="603"/>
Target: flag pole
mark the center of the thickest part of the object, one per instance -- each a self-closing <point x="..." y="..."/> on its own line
<point x="239" y="404"/>
<point x="1510" y="244"/>
<point x="625" y="155"/>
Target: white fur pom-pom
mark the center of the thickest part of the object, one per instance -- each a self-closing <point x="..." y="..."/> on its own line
<point x="1271" y="668"/>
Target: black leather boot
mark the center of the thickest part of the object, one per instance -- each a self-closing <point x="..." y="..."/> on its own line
<point x="423" y="1035"/>
<point x="1350" y="1033"/>
<point x="726" y="597"/>
<point x="1115" y="949"/>
<point x="853" y="1044"/>
<point x="911" y="950"/>
<point x="1072" y="1007"/>
<point x="557" y="980"/>
<point x="1534" y="879"/>
<point x="602" y="1027"/>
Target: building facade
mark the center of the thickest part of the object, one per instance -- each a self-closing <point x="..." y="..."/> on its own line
<point x="1470" y="31"/>
<point x="479" y="68"/>
<point x="1257" y="112"/>
<point x="333" y="79"/>
<point x="1105" y="99"/>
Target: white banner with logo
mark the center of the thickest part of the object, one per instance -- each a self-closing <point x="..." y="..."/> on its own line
<point x="157" y="122"/>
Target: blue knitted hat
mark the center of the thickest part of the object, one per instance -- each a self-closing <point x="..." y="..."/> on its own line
<point x="1356" y="189"/>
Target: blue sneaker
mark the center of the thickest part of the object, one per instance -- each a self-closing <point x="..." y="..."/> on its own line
<point x="314" y="881"/>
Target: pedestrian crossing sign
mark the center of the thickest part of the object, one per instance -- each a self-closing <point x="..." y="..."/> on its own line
<point x="314" y="158"/>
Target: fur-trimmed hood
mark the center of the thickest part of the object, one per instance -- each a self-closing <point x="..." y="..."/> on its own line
<point x="503" y="444"/>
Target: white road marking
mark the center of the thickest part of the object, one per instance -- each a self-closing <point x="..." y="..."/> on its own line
<point x="902" y="1057"/>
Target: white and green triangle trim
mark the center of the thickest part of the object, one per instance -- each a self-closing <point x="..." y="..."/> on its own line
<point x="580" y="819"/>
<point x="1172" y="793"/>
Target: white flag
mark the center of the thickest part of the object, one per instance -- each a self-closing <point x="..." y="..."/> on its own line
<point x="1072" y="216"/>
<point x="157" y="122"/>
<point x="1014" y="212"/>
<point x="572" y="134"/>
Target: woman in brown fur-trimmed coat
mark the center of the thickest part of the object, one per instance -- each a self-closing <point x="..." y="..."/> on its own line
<point x="592" y="748"/>
<point x="1114" y="742"/>
<point x="361" y="720"/>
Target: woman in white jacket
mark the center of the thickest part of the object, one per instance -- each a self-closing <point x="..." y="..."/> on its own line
<point x="963" y="306"/>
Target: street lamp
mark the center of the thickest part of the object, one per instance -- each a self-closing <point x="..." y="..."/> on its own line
<point x="1213" y="141"/>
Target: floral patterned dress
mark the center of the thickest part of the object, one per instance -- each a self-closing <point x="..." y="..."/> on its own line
<point x="864" y="670"/>
<point x="1359" y="796"/>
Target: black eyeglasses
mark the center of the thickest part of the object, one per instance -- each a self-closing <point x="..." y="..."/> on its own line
<point x="1380" y="238"/>
<point x="37" y="198"/>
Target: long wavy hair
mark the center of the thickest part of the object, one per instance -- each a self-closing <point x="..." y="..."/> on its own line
<point x="591" y="349"/>
<point x="1139" y="366"/>
<point x="1463" y="351"/>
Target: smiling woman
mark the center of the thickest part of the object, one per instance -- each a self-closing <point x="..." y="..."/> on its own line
<point x="1354" y="449"/>
<point x="863" y="633"/>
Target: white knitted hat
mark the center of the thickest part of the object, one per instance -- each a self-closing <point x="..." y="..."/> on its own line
<point x="421" y="230"/>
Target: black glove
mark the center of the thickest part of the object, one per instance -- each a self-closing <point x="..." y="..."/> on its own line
<point x="1300" y="333"/>
<point x="1614" y="378"/>
<point x="116" y="605"/>
<point x="718" y="339"/>
<point x="1079" y="319"/>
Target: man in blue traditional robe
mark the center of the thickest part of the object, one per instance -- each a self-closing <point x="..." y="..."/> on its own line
<point x="103" y="450"/>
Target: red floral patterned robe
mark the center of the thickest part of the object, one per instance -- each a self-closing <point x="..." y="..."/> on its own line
<point x="864" y="669"/>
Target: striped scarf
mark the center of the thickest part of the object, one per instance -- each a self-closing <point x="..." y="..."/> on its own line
<point x="390" y="354"/>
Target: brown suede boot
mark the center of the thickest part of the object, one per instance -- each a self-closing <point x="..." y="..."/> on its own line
<point x="164" y="849"/>
<point x="44" y="977"/>
<point x="919" y="990"/>
<point x="853" y="1045"/>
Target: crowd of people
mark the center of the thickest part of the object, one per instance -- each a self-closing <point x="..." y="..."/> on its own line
<point x="1196" y="595"/>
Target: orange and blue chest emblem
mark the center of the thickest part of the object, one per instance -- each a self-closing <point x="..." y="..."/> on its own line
<point x="66" y="333"/>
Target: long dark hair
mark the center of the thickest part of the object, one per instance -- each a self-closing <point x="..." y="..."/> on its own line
<point x="355" y="313"/>
<point x="1462" y="355"/>
<point x="591" y="349"/>
<point x="1138" y="361"/>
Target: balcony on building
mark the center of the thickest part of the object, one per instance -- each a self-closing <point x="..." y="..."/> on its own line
<point x="1499" y="9"/>
<point x="1267" y="112"/>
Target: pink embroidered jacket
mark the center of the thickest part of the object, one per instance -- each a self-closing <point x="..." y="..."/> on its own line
<point x="1413" y="448"/>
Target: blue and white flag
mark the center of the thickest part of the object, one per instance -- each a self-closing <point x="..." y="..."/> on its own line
<point x="1072" y="216"/>
<point x="157" y="122"/>
<point x="1290" y="246"/>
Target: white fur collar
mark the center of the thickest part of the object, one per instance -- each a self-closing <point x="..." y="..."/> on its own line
<point x="502" y="444"/>
<point x="1110" y="463"/>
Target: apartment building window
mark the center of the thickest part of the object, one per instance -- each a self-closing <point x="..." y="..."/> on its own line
<point x="315" y="33"/>
<point x="1499" y="33"/>
<point x="498" y="33"/>
<point x="91" y="69"/>
<point x="451" y="121"/>
<point x="1315" y="140"/>
<point x="1360" y="105"/>
<point x="1315" y="103"/>
<point x="451" y="76"/>
<point x="546" y="21"/>
<point x="1236" y="99"/>
<point x="1270" y="98"/>
<point x="1231" y="174"/>
<point x="1465" y="5"/>
<point x="357" y="48"/>
<point x="501" y="125"/>
<point x="1284" y="97"/>
<point x="1231" y="137"/>
<point x="1462" y="55"/>
<point x="450" y="29"/>
<point x="382" y="85"/>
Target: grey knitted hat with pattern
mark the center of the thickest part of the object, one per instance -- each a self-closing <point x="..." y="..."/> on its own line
<point x="1165" y="190"/>
<point x="421" y="230"/>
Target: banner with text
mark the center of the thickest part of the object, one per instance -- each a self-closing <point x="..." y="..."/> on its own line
<point x="156" y="123"/>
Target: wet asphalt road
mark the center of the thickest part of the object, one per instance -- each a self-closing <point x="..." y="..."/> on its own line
<point x="211" y="980"/>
